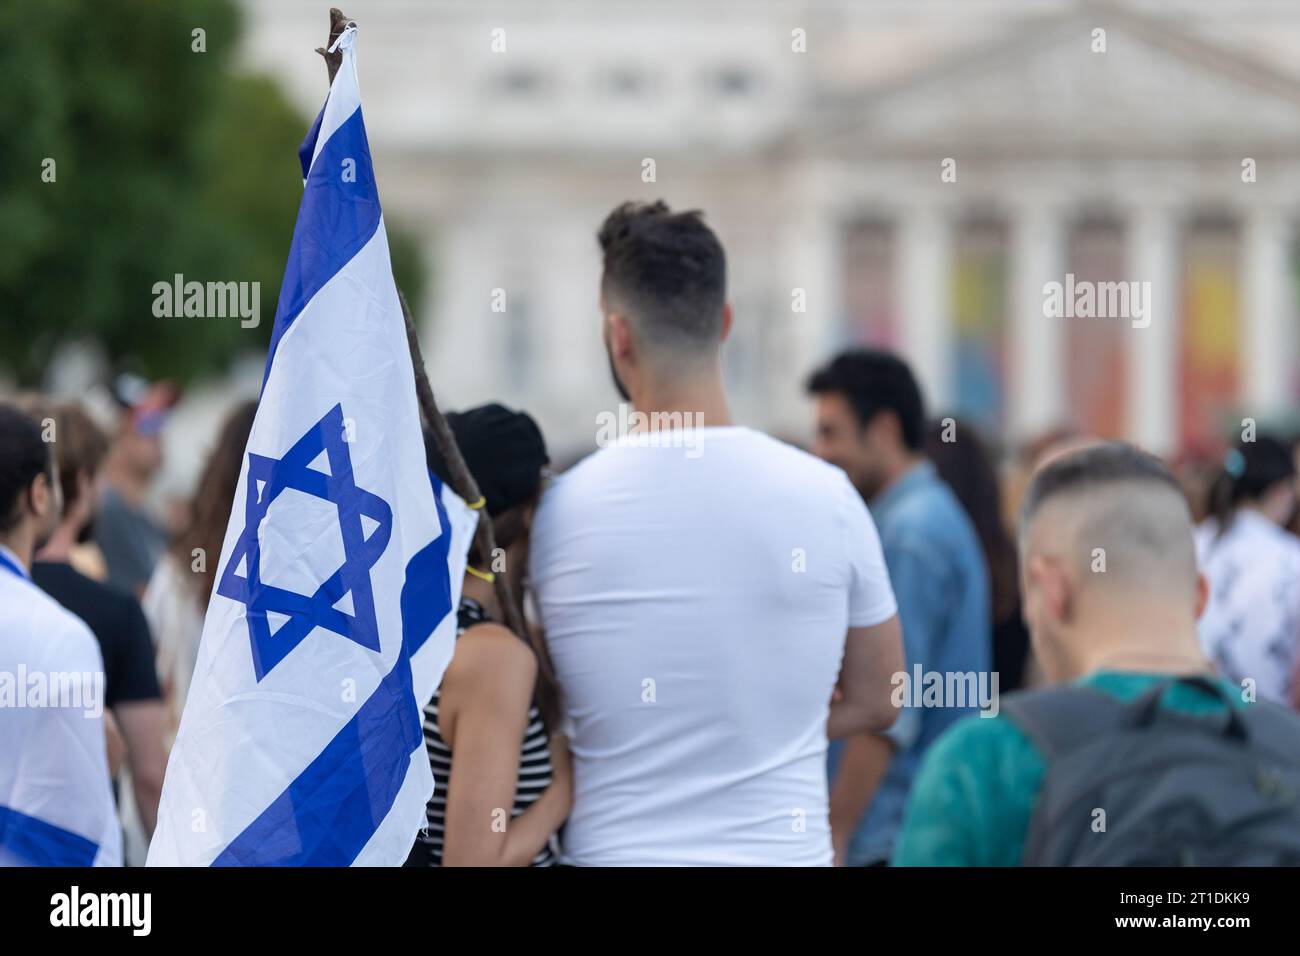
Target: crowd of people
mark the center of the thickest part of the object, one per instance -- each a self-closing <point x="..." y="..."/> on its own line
<point x="891" y="648"/>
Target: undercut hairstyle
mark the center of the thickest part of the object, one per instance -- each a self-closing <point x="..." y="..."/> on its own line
<point x="872" y="382"/>
<point x="666" y="272"/>
<point x="1124" y="502"/>
<point x="23" y="456"/>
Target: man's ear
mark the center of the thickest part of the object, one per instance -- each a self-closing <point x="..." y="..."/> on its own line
<point x="884" y="429"/>
<point x="1202" y="594"/>
<point x="41" y="496"/>
<point x="1056" y="593"/>
<point x="728" y="318"/>
<point x="621" y="342"/>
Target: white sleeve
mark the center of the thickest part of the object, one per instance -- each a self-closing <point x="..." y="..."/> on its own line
<point x="871" y="598"/>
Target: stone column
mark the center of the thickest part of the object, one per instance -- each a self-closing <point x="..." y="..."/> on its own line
<point x="924" y="281"/>
<point x="1268" y="312"/>
<point x="1153" y="246"/>
<point x="1036" y="391"/>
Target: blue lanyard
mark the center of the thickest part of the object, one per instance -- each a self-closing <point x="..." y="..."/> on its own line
<point x="9" y="564"/>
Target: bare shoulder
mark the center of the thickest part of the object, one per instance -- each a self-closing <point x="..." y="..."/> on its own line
<point x="490" y="659"/>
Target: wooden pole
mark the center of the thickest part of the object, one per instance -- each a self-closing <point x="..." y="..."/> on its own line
<point x="462" y="481"/>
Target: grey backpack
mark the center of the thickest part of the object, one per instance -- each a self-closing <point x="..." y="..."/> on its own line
<point x="1170" y="789"/>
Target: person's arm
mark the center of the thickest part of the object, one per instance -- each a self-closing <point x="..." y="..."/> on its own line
<point x="872" y="656"/>
<point x="114" y="745"/>
<point x="873" y="650"/>
<point x="141" y="723"/>
<point x="482" y="715"/>
<point x="140" y="713"/>
<point x="916" y="579"/>
<point x="863" y="762"/>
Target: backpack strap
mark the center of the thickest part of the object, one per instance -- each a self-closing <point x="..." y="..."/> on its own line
<point x="1058" y="719"/>
<point x="1146" y="710"/>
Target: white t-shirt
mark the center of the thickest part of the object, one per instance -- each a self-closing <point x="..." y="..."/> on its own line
<point x="56" y="801"/>
<point x="695" y="603"/>
<point x="176" y="621"/>
<point x="1251" y="625"/>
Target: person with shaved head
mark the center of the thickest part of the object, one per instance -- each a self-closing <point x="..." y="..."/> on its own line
<point x="1109" y="565"/>
<point x="1139" y="753"/>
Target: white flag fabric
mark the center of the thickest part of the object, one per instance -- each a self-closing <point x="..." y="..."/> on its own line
<point x="56" y="803"/>
<point x="332" y="617"/>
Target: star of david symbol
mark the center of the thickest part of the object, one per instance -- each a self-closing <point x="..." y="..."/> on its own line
<point x="267" y="479"/>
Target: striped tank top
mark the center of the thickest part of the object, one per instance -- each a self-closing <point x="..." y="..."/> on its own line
<point x="534" y="767"/>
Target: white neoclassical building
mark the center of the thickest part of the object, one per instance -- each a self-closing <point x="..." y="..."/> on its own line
<point x="903" y="174"/>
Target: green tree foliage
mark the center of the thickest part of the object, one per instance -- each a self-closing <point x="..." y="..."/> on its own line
<point x="167" y="161"/>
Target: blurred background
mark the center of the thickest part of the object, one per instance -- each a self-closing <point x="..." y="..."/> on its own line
<point x="903" y="173"/>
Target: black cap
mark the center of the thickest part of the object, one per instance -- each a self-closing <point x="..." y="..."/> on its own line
<point x="504" y="450"/>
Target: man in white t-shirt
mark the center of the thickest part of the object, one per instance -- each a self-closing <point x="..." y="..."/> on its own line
<point x="715" y="602"/>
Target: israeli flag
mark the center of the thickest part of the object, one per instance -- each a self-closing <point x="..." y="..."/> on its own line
<point x="332" y="616"/>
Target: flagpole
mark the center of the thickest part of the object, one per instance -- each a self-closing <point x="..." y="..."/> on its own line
<point x="462" y="481"/>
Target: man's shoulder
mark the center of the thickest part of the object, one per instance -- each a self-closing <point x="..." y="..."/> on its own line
<point x="731" y="446"/>
<point x="799" y="460"/>
<point x="995" y="736"/>
<point x="930" y="497"/>
<point x="62" y="575"/>
<point x="929" y="518"/>
<point x="62" y="634"/>
<point x="765" y="457"/>
<point x="973" y="797"/>
<point x="78" y="592"/>
<point x="989" y="755"/>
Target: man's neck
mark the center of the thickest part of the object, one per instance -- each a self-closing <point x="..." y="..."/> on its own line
<point x="894" y="473"/>
<point x="698" y="402"/>
<point x="1147" y="638"/>
<point x="59" y="548"/>
<point x="21" y="544"/>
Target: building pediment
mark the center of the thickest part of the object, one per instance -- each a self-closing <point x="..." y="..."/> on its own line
<point x="1155" y="89"/>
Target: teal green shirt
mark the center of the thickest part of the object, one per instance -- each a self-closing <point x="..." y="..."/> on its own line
<point x="975" y="792"/>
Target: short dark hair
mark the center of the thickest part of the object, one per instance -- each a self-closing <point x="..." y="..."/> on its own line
<point x="80" y="445"/>
<point x="23" y="456"/>
<point x="873" y="381"/>
<point x="1093" y="467"/>
<point x="667" y="269"/>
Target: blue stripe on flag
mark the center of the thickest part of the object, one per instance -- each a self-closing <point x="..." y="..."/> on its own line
<point x="43" y="844"/>
<point x="329" y="813"/>
<point x="426" y="594"/>
<point x="308" y="148"/>
<point x="338" y="216"/>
